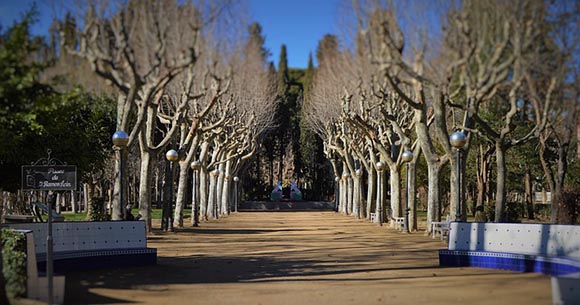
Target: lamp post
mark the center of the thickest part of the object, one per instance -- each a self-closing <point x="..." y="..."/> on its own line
<point x="236" y="180"/>
<point x="195" y="166"/>
<point x="380" y="167"/>
<point x="167" y="222"/>
<point x="407" y="158"/>
<point x="120" y="141"/>
<point x="458" y="140"/>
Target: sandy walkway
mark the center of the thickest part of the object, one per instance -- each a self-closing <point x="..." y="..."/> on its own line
<point x="301" y="258"/>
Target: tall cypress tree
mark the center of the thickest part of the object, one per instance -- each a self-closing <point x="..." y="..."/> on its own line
<point x="284" y="110"/>
<point x="283" y="78"/>
<point x="308" y="75"/>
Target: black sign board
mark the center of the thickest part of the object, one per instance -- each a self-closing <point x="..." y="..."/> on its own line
<point x="49" y="177"/>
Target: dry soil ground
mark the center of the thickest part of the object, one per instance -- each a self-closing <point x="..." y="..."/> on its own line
<point x="300" y="258"/>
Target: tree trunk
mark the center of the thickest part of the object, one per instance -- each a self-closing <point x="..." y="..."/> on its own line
<point x="145" y="188"/>
<point x="529" y="192"/>
<point x="225" y="192"/>
<point x="115" y="213"/>
<point x="500" y="183"/>
<point x="482" y="184"/>
<point x="412" y="173"/>
<point x="563" y="213"/>
<point x="395" y="183"/>
<point x="433" y="194"/>
<point x="453" y="189"/>
<point x="182" y="186"/>
<point x="343" y="195"/>
<point x="212" y="202"/>
<point x="433" y="166"/>
<point x="350" y="195"/>
<point x="89" y="194"/>
<point x="219" y="188"/>
<point x="356" y="198"/>
<point x="379" y="198"/>
<point x="371" y="190"/>
<point x="203" y="193"/>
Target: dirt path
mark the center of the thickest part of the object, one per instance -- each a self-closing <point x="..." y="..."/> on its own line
<point x="301" y="258"/>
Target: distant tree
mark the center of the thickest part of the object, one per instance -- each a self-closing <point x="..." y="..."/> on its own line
<point x="327" y="48"/>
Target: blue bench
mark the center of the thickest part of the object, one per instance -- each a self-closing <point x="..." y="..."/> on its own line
<point x="548" y="249"/>
<point x="540" y="248"/>
<point x="91" y="245"/>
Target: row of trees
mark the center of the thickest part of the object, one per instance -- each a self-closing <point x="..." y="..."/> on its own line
<point x="502" y="72"/>
<point x="184" y="78"/>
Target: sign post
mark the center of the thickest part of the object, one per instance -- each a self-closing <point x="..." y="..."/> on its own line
<point x="49" y="174"/>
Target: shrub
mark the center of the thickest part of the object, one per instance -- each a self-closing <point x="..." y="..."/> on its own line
<point x="514" y="211"/>
<point x="14" y="262"/>
<point x="98" y="212"/>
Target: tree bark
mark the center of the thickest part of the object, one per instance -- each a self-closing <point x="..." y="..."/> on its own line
<point x="412" y="174"/>
<point x="145" y="188"/>
<point x="219" y="189"/>
<point x="371" y="190"/>
<point x="182" y="186"/>
<point x="529" y="192"/>
<point x="395" y="183"/>
<point x="350" y="194"/>
<point x="211" y="200"/>
<point x="225" y="192"/>
<point x="500" y="182"/>
<point x="203" y="194"/>
<point x="356" y="209"/>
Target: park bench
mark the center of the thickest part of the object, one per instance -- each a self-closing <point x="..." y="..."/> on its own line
<point x="83" y="245"/>
<point x="441" y="228"/>
<point x="397" y="222"/>
<point x="541" y="248"/>
<point x="39" y="209"/>
<point x="15" y="218"/>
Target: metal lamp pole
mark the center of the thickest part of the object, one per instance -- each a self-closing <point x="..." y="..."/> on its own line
<point x="236" y="180"/>
<point x="458" y="140"/>
<point x="380" y="167"/>
<point x="195" y="166"/>
<point x="171" y="156"/>
<point x="120" y="141"/>
<point x="407" y="158"/>
<point x="49" y="263"/>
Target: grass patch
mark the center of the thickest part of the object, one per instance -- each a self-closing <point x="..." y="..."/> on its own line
<point x="155" y="214"/>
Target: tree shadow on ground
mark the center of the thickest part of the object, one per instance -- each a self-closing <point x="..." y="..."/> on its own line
<point x="216" y="269"/>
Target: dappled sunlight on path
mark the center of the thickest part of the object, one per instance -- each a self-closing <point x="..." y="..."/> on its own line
<point x="300" y="258"/>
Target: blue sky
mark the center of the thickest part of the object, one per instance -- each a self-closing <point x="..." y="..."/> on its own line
<point x="297" y="23"/>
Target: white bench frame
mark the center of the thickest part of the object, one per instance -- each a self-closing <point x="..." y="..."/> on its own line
<point x="441" y="227"/>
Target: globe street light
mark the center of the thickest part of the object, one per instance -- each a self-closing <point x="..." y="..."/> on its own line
<point x="120" y="141"/>
<point x="458" y="140"/>
<point x="380" y="167"/>
<point x="407" y="158"/>
<point x="236" y="180"/>
<point x="167" y="221"/>
<point x="195" y="166"/>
